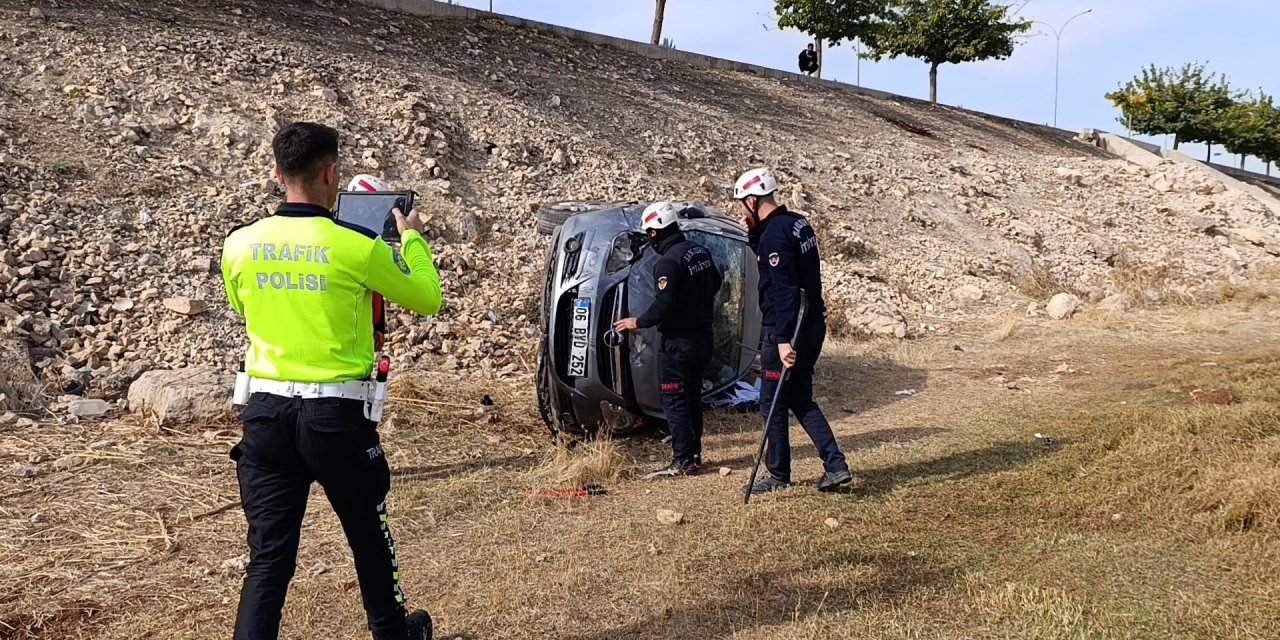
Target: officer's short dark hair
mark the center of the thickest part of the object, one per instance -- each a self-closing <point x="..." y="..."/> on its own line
<point x="304" y="149"/>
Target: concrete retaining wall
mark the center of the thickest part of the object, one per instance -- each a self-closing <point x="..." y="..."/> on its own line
<point x="1135" y="151"/>
<point x="1246" y="175"/>
<point x="1236" y="185"/>
<point x="1151" y="156"/>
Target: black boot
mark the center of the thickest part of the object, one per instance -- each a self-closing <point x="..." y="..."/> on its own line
<point x="768" y="484"/>
<point x="833" y="480"/>
<point x="419" y="623"/>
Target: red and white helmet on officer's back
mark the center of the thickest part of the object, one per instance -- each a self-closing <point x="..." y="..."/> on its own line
<point x="659" y="215"/>
<point x="756" y="182"/>
<point x="366" y="182"/>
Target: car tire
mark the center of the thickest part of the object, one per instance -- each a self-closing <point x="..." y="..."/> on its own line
<point x="544" y="390"/>
<point x="553" y="215"/>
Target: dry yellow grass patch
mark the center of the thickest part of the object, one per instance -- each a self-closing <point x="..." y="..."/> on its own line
<point x="1008" y="327"/>
<point x="599" y="461"/>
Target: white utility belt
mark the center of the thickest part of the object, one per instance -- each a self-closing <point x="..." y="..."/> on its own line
<point x="353" y="390"/>
<point x="373" y="394"/>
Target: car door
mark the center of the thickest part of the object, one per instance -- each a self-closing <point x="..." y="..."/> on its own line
<point x="735" y="329"/>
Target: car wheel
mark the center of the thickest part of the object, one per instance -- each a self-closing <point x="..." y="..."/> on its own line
<point x="551" y="216"/>
<point x="544" y="391"/>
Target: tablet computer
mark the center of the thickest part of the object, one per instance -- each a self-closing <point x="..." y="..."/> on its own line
<point x="372" y="210"/>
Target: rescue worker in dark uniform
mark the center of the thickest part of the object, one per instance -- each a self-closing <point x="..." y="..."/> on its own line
<point x="787" y="256"/>
<point x="686" y="281"/>
<point x="304" y="283"/>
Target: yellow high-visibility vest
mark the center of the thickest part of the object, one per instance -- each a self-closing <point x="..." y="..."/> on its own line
<point x="304" y="283"/>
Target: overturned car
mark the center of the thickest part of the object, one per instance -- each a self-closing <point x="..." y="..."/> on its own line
<point x="599" y="269"/>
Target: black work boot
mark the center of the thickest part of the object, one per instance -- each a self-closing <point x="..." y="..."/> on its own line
<point x="419" y="623"/>
<point x="833" y="480"/>
<point x="767" y="484"/>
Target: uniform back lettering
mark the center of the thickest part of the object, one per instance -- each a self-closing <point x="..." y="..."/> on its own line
<point x="285" y="252"/>
<point x="292" y="281"/>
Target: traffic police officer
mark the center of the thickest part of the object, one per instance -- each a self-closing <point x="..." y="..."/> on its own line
<point x="787" y="257"/>
<point x="686" y="281"/>
<point x="304" y="283"/>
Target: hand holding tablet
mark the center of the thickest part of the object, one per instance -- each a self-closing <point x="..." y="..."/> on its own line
<point x="377" y="211"/>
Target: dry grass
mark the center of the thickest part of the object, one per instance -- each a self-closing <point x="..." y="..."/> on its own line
<point x="599" y="461"/>
<point x="1208" y="321"/>
<point x="1148" y="285"/>
<point x="1039" y="283"/>
<point x="1153" y="518"/>
<point x="1007" y="328"/>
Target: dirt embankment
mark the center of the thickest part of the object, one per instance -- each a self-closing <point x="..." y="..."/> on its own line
<point x="136" y="134"/>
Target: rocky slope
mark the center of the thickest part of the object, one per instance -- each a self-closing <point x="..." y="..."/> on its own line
<point x="134" y="135"/>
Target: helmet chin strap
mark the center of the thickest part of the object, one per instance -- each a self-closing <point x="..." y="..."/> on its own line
<point x="754" y="211"/>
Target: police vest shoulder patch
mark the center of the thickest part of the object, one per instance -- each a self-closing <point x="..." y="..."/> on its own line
<point x="662" y="283"/>
<point x="774" y="259"/>
<point x="399" y="260"/>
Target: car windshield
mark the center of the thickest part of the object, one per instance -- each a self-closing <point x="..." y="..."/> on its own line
<point x="730" y="256"/>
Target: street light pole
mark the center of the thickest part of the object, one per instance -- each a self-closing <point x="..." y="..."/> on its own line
<point x="1057" y="57"/>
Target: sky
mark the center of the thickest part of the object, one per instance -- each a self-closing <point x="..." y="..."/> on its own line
<point x="1099" y="50"/>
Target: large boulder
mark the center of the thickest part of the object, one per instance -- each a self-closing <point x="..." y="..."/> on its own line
<point x="183" y="397"/>
<point x="877" y="319"/>
<point x="967" y="294"/>
<point x="1062" y="306"/>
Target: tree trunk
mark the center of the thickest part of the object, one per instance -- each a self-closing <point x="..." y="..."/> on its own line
<point x="1177" y="140"/>
<point x="1208" y="153"/>
<point x="933" y="82"/>
<point x="1268" y="169"/>
<point x="1242" y="162"/>
<point x="657" y="22"/>
<point x="818" y="41"/>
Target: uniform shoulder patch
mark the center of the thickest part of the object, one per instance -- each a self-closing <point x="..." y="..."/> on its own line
<point x="774" y="259"/>
<point x="399" y="260"/>
<point x="662" y="282"/>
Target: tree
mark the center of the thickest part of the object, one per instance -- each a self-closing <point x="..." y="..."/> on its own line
<point x="1244" y="123"/>
<point x="944" y="32"/>
<point x="832" y="21"/>
<point x="1189" y="103"/>
<point x="658" y="13"/>
<point x="936" y="31"/>
<point x="1253" y="129"/>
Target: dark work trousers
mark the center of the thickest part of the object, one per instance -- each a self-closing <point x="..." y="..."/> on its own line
<point x="796" y="398"/>
<point x="289" y="443"/>
<point x="681" y="364"/>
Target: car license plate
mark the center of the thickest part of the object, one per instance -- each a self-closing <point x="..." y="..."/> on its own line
<point x="579" y="338"/>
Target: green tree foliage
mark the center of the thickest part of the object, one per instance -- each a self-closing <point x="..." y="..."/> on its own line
<point x="834" y="21"/>
<point x="945" y="32"/>
<point x="935" y="31"/>
<point x="1252" y="128"/>
<point x="1190" y="103"/>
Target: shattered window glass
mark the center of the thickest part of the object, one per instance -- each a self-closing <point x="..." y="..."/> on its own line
<point x="730" y="256"/>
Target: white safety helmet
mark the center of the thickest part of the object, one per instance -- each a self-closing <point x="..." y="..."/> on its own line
<point x="658" y="215"/>
<point x="366" y="182"/>
<point x="756" y="182"/>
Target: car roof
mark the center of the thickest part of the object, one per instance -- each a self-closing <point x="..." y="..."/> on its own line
<point x="692" y="215"/>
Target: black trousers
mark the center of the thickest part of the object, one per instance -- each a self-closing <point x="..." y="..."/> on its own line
<point x="289" y="443"/>
<point x="681" y="362"/>
<point x="797" y="398"/>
